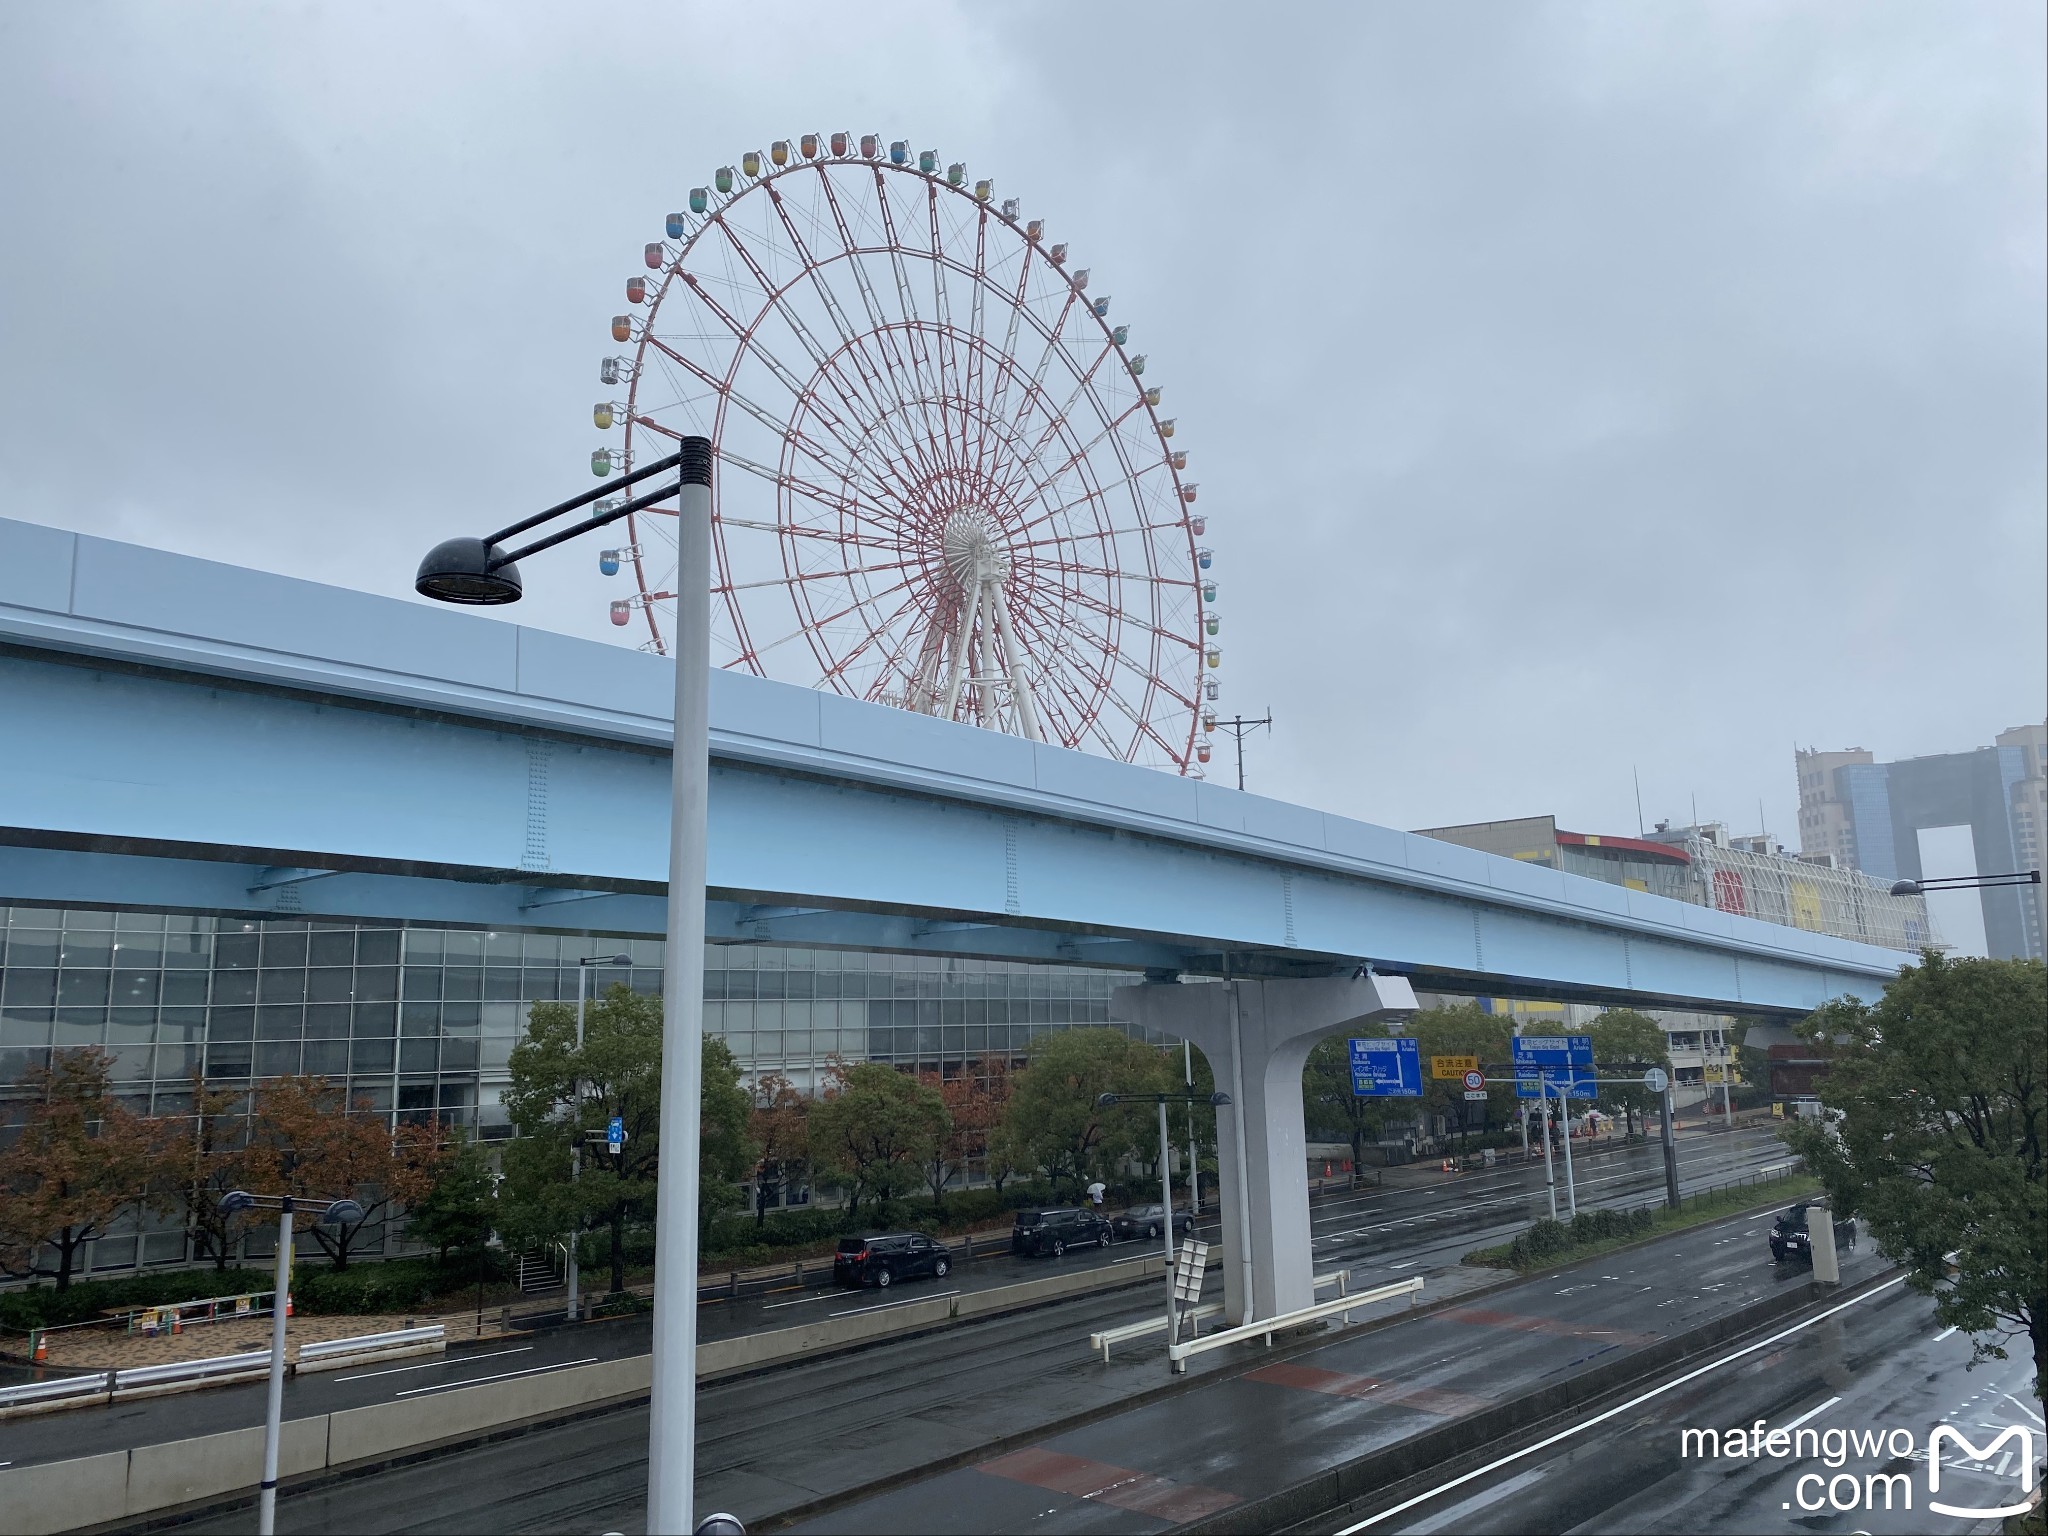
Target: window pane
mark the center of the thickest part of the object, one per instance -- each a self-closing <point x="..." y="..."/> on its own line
<point x="369" y="1020"/>
<point x="37" y="988"/>
<point x="276" y="1058"/>
<point x="331" y="949"/>
<point x="234" y="987"/>
<point x="281" y="987"/>
<point x="371" y="1055"/>
<point x="284" y="948"/>
<point x="377" y="947"/>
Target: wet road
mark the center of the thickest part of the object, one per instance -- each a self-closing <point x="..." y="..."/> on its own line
<point x="1246" y="1435"/>
<point x="1879" y="1368"/>
<point x="1379" y="1234"/>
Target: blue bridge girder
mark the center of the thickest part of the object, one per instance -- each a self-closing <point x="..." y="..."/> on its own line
<point x="179" y="734"/>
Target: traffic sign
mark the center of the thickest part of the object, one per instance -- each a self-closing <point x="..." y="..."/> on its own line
<point x="1475" y="1079"/>
<point x="615" y="1133"/>
<point x="1386" y="1068"/>
<point x="1475" y="1093"/>
<point x="1654" y="1080"/>
<point x="1554" y="1059"/>
<point x="1451" y="1068"/>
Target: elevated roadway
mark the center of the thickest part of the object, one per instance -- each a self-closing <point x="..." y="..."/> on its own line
<point x="220" y="739"/>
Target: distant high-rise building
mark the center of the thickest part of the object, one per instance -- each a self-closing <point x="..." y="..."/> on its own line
<point x="1983" y="811"/>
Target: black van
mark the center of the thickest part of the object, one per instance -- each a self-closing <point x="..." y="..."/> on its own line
<point x="887" y="1257"/>
<point x="1038" y="1233"/>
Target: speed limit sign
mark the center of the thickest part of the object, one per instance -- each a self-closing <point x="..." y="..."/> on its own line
<point x="1474" y="1080"/>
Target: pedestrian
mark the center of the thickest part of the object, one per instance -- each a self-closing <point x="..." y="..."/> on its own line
<point x="1095" y="1193"/>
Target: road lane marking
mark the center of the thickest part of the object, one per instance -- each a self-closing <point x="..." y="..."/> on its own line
<point x="885" y="1306"/>
<point x="1811" y="1413"/>
<point x="1442" y="1401"/>
<point x="1943" y="1334"/>
<point x="531" y="1370"/>
<point x="2023" y="1408"/>
<point x="1100" y="1482"/>
<point x="1615" y="1412"/>
<point x="825" y="1296"/>
<point x="431" y="1364"/>
<point x="1464" y="1507"/>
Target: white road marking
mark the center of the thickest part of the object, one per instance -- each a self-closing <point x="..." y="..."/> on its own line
<point x="398" y="1370"/>
<point x="823" y="1296"/>
<point x="885" y="1306"/>
<point x="1615" y="1412"/>
<point x="2023" y="1408"/>
<point x="1786" y="1429"/>
<point x="531" y="1370"/>
<point x="1943" y="1334"/>
<point x="1405" y="1264"/>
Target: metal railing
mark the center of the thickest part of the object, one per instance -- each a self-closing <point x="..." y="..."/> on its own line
<point x="1266" y="1327"/>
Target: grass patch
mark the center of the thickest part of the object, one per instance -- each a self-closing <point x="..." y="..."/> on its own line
<point x="1594" y="1232"/>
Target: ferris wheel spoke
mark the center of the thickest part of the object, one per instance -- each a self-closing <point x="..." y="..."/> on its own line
<point x="889" y="662"/>
<point x="834" y="618"/>
<point x="1057" y="643"/>
<point x="854" y="254"/>
<point x="1006" y="364"/>
<point x="778" y="297"/>
<point x="814" y="493"/>
<point x="849" y="347"/>
<point x="1079" y="452"/>
<point x="836" y="573"/>
<point x="929" y="383"/>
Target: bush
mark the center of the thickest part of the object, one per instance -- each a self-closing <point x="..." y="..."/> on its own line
<point x="44" y="1306"/>
<point x="396" y="1285"/>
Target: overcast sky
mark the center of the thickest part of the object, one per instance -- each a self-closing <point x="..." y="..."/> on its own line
<point x="1573" y="388"/>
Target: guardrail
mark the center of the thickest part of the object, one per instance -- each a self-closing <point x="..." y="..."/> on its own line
<point x="150" y="1378"/>
<point x="1341" y="1278"/>
<point x="1268" y="1326"/>
<point x="64" y="1392"/>
<point x="331" y="1354"/>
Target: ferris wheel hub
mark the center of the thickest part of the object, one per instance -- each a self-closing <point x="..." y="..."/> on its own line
<point x="973" y="549"/>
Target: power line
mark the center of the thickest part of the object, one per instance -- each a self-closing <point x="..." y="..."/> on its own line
<point x="1237" y="725"/>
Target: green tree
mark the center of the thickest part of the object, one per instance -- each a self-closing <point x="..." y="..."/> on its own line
<point x="873" y="1133"/>
<point x="559" y="1096"/>
<point x="80" y="1160"/>
<point x="461" y="1210"/>
<point x="1328" y="1104"/>
<point x="1938" y="1112"/>
<point x="1464" y="1030"/>
<point x="1623" y="1037"/>
<point x="1052" y="1122"/>
<point x="727" y="1151"/>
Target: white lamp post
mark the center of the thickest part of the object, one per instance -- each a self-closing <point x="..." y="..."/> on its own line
<point x="333" y="1213"/>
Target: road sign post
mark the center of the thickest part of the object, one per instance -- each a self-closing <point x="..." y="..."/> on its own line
<point x="1659" y="1084"/>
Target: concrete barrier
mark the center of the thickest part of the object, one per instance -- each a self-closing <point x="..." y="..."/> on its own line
<point x="64" y="1495"/>
<point x="379" y="1430"/>
<point x="93" y="1490"/>
<point x="208" y="1466"/>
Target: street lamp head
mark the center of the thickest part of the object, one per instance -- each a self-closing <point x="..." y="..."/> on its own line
<point x="1905" y="887"/>
<point x="236" y="1201"/>
<point x="341" y="1213"/>
<point x="461" y="571"/>
<point x="1107" y="1100"/>
<point x="1219" y="1099"/>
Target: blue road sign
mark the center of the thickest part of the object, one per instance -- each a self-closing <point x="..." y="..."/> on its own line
<point x="1386" y="1068"/>
<point x="1541" y="1059"/>
<point x="615" y="1133"/>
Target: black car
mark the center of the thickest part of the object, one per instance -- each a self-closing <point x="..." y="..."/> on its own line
<point x="1791" y="1243"/>
<point x="1148" y="1221"/>
<point x="887" y="1257"/>
<point x="1038" y="1233"/>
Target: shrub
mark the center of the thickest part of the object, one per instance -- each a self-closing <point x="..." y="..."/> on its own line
<point x="43" y="1306"/>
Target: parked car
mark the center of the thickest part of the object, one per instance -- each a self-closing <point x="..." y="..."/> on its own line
<point x="1148" y="1221"/>
<point x="1038" y="1233"/>
<point x="886" y="1257"/>
<point x="1791" y="1243"/>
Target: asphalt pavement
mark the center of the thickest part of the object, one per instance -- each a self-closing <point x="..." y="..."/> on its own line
<point x="1380" y="1234"/>
<point x="782" y="1439"/>
<point x="1880" y="1366"/>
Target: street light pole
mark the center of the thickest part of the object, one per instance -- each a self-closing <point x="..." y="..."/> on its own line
<point x="672" y="1409"/>
<point x="332" y="1212"/>
<point x="1166" y="1219"/>
<point x="273" y="1409"/>
<point x="1187" y="1062"/>
<point x="479" y="571"/>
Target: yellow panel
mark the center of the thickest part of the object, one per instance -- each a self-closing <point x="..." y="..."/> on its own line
<point x="1806" y="909"/>
<point x="1634" y="884"/>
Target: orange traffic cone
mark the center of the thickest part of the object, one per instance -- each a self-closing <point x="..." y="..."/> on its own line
<point x="41" y="1349"/>
<point x="287" y="1303"/>
<point x="178" y="1321"/>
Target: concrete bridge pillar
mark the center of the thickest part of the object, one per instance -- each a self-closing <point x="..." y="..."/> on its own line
<point x="1257" y="1035"/>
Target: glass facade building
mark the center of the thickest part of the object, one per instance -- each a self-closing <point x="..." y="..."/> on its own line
<point x="421" y="1022"/>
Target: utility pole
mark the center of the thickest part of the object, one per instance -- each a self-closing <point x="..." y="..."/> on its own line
<point x="1237" y="725"/>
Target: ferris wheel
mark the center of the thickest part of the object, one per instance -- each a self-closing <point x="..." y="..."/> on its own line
<point x="944" y="482"/>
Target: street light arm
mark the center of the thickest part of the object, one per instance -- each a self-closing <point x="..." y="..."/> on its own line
<point x="618" y="484"/>
<point x="575" y="530"/>
<point x="1965" y="882"/>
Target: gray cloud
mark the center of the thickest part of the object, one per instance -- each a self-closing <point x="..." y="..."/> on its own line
<point x="1572" y="387"/>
